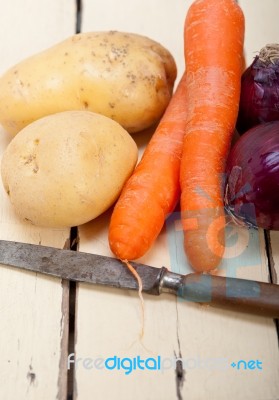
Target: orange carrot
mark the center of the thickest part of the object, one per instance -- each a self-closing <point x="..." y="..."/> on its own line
<point x="213" y="39"/>
<point x="153" y="190"/>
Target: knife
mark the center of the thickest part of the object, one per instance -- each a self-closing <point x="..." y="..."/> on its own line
<point x="231" y="293"/>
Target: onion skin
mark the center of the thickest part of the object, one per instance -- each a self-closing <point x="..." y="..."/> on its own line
<point x="252" y="177"/>
<point x="259" y="97"/>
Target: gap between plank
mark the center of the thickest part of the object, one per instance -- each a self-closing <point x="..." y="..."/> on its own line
<point x="179" y="370"/>
<point x="272" y="271"/>
<point x="72" y="317"/>
<point x="74" y="247"/>
<point x="78" y="15"/>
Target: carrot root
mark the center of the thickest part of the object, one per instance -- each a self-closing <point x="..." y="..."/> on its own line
<point x="138" y="278"/>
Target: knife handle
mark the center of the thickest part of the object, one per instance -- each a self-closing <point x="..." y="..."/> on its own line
<point x="230" y="293"/>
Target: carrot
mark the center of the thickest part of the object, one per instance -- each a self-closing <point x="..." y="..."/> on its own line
<point x="153" y="190"/>
<point x="213" y="39"/>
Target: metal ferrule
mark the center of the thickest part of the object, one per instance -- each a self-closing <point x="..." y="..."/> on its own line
<point x="170" y="282"/>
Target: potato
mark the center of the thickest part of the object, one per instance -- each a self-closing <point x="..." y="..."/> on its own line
<point x="124" y="76"/>
<point x="67" y="168"/>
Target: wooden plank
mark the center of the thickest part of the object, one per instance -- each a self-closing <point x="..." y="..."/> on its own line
<point x="108" y="322"/>
<point x="33" y="26"/>
<point x="34" y="309"/>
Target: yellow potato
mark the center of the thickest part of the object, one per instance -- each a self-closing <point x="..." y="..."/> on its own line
<point x="67" y="168"/>
<point x="124" y="76"/>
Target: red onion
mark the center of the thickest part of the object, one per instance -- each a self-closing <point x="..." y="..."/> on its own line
<point x="252" y="177"/>
<point x="259" y="98"/>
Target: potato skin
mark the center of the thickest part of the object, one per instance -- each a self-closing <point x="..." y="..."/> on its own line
<point x="124" y="76"/>
<point x="67" y="168"/>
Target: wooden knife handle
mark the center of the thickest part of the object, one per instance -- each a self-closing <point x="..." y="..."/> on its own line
<point x="231" y="293"/>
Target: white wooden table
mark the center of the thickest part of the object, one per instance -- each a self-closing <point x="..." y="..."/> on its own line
<point x="35" y="311"/>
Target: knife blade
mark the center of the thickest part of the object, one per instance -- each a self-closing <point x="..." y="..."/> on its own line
<point x="231" y="293"/>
